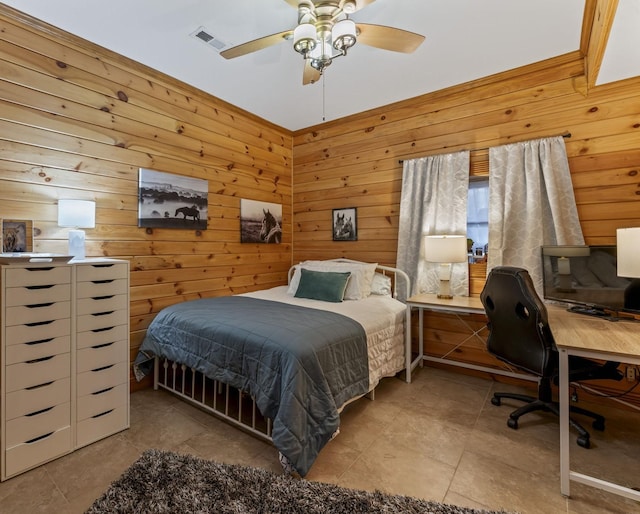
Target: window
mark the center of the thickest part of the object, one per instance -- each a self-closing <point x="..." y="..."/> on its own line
<point x="478" y="213"/>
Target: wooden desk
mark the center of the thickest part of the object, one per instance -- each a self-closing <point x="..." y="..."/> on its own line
<point x="458" y="305"/>
<point x="594" y="338"/>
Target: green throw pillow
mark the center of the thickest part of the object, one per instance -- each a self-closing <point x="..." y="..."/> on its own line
<point x="328" y="286"/>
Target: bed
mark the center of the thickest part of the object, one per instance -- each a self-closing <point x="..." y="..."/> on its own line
<point x="283" y="362"/>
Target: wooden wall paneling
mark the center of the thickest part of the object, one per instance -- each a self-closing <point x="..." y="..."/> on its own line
<point x="77" y="121"/>
<point x="360" y="153"/>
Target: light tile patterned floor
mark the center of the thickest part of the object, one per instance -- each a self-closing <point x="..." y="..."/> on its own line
<point x="439" y="438"/>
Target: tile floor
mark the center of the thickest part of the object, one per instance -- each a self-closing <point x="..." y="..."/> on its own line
<point x="439" y="438"/>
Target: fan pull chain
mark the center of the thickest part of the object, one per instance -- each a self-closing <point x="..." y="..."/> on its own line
<point x="323" y="101"/>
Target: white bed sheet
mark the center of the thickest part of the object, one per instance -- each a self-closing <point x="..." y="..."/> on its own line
<point x="382" y="318"/>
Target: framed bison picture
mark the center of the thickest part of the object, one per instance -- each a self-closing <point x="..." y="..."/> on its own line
<point x="345" y="224"/>
<point x="166" y="200"/>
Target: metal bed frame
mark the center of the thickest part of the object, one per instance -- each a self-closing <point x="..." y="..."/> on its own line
<point x="237" y="407"/>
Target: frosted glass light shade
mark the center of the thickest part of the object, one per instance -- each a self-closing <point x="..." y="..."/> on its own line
<point x="77" y="213"/>
<point x="628" y="243"/>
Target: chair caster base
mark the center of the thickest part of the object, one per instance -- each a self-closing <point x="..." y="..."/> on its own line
<point x="584" y="442"/>
<point x="512" y="423"/>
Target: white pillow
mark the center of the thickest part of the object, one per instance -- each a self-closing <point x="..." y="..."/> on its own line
<point x="381" y="285"/>
<point x="358" y="286"/>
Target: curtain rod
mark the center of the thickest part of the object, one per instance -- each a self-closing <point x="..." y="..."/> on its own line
<point x="565" y="135"/>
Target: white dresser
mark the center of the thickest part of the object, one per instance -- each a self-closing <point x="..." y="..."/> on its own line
<point x="64" y="358"/>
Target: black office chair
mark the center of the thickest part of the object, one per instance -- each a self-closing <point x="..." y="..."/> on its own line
<point x="519" y="335"/>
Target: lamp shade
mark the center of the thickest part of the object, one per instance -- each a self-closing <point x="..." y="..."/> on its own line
<point x="628" y="243"/>
<point x="445" y="248"/>
<point x="76" y="213"/>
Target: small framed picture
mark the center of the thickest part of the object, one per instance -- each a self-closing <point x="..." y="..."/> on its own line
<point x="345" y="226"/>
<point x="17" y="236"/>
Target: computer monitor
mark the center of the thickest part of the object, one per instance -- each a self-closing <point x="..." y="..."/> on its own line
<point x="585" y="277"/>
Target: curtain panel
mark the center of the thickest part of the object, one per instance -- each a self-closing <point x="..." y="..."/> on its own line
<point x="531" y="203"/>
<point x="433" y="202"/>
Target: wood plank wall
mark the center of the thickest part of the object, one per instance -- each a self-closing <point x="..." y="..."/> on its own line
<point x="354" y="162"/>
<point x="77" y="121"/>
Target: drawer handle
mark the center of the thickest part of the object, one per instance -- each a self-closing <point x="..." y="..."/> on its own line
<point x="102" y="265"/>
<point x="102" y="329"/>
<point x="97" y="370"/>
<point x="31" y="388"/>
<point x="41" y="411"/>
<point x="48" y="286"/>
<point x="106" y="297"/>
<point x="104" y="345"/>
<point x="106" y="281"/>
<point x="39" y="438"/>
<point x="38" y="305"/>
<point x="105" y="313"/>
<point x="40" y="341"/>
<point x="40" y="269"/>
<point x="41" y="359"/>
<point x="102" y="391"/>
<point x="39" y="323"/>
<point x="102" y="414"/>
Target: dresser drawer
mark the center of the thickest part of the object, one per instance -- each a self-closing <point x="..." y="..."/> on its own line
<point x="101" y="355"/>
<point x="37" y="424"/>
<point x="101" y="271"/>
<point x="102" y="378"/>
<point x="102" y="425"/>
<point x="19" y="334"/>
<point x="37" y="313"/>
<point x="37" y="349"/>
<point x="102" y="304"/>
<point x="37" y="276"/>
<point x="37" y="294"/>
<point x="101" y="336"/>
<point x="29" y="374"/>
<point x="101" y="320"/>
<point x="25" y="401"/>
<point x="30" y="454"/>
<point x="102" y="288"/>
<point x="102" y="401"/>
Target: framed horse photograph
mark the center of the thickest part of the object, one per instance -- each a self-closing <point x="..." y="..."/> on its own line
<point x="166" y="200"/>
<point x="345" y="225"/>
<point x="260" y="222"/>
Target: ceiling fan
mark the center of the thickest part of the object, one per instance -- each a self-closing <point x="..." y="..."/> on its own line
<point x="325" y="31"/>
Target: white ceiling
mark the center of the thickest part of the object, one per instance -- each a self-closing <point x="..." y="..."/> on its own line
<point x="465" y="40"/>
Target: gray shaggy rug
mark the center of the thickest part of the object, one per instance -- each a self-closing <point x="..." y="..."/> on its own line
<point x="166" y="482"/>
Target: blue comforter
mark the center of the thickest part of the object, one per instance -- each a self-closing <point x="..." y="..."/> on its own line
<point x="300" y="364"/>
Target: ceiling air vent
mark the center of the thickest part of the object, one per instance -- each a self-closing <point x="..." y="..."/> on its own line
<point x="210" y="40"/>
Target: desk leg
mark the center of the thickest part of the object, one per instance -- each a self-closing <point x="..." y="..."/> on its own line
<point x="407" y="346"/>
<point x="421" y="338"/>
<point x="564" y="422"/>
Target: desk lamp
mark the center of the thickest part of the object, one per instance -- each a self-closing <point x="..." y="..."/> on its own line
<point x="444" y="250"/>
<point x="77" y="214"/>
<point x="628" y="243"/>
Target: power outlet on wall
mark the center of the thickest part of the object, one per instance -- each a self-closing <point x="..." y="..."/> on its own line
<point x="631" y="373"/>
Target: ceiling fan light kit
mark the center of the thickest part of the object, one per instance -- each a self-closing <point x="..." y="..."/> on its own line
<point x="325" y="31"/>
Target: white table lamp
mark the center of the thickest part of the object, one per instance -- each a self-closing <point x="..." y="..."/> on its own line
<point x="628" y="247"/>
<point x="77" y="214"/>
<point x="445" y="250"/>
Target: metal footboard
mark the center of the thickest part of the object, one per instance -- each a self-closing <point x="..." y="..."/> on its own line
<point x="220" y="399"/>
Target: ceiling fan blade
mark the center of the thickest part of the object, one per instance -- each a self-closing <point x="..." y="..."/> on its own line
<point x="388" y="38"/>
<point x="310" y="74"/>
<point x="256" y="44"/>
